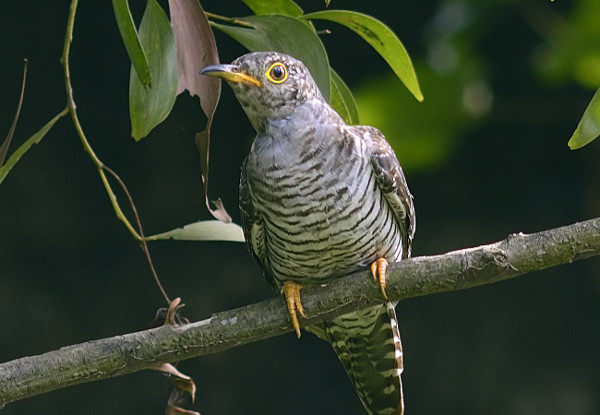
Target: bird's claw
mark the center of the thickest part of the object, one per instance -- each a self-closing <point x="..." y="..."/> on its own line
<point x="291" y="290"/>
<point x="378" y="270"/>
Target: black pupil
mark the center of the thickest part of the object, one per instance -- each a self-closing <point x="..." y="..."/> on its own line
<point x="278" y="72"/>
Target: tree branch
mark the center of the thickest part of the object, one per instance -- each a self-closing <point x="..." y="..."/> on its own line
<point x="518" y="254"/>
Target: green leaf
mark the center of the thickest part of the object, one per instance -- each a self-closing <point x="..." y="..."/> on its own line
<point x="285" y="7"/>
<point x="34" y="139"/>
<point x="150" y="105"/>
<point x="287" y="35"/>
<point x="589" y="126"/>
<point x="342" y="100"/>
<point x="209" y="230"/>
<point x="249" y="38"/>
<point x="131" y="40"/>
<point x="383" y="40"/>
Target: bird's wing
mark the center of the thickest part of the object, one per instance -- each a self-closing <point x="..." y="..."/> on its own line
<point x="253" y="227"/>
<point x="391" y="181"/>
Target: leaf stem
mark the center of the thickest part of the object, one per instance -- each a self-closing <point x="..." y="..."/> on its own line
<point x="231" y="20"/>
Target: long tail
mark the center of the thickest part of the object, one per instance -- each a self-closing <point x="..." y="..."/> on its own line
<point x="368" y="344"/>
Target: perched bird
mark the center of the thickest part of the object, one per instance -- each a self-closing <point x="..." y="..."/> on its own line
<point x="320" y="199"/>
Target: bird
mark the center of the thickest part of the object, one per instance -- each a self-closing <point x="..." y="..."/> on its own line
<point x="320" y="199"/>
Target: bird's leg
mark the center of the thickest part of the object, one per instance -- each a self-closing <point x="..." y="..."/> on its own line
<point x="291" y="290"/>
<point x="378" y="270"/>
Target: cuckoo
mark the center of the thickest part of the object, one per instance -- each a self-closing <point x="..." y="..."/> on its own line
<point x="320" y="199"/>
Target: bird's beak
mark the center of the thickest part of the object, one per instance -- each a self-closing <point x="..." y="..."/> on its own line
<point x="230" y="73"/>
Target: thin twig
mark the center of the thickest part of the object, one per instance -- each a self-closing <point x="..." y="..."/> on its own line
<point x="142" y="241"/>
<point x="101" y="168"/>
<point x="231" y="20"/>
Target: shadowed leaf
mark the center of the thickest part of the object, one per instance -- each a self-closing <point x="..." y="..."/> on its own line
<point x="196" y="48"/>
<point x="131" y="40"/>
<point x="589" y="126"/>
<point x="210" y="230"/>
<point x="383" y="40"/>
<point x="342" y="100"/>
<point x="150" y="105"/>
<point x="11" y="131"/>
<point x="34" y="139"/>
<point x="285" y="7"/>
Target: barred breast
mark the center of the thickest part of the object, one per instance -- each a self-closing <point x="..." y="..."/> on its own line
<point x="323" y="213"/>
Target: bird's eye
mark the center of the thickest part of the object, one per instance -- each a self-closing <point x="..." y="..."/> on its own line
<point x="277" y="73"/>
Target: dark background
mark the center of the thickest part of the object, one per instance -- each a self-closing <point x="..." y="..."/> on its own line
<point x="70" y="272"/>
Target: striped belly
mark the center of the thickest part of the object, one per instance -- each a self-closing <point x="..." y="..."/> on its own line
<point x="321" y="222"/>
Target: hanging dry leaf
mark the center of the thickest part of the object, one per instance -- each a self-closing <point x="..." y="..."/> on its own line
<point x="196" y="48"/>
<point x="177" y="399"/>
<point x="184" y="392"/>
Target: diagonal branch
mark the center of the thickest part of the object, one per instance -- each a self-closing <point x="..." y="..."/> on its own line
<point x="517" y="255"/>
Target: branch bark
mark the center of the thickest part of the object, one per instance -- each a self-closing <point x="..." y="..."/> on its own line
<point x="519" y="254"/>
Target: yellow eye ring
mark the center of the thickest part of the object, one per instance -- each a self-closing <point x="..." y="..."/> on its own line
<point x="277" y="73"/>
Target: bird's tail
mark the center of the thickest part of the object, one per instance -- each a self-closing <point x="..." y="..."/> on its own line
<point x="367" y="343"/>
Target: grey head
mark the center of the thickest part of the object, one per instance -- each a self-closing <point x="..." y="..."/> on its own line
<point x="268" y="85"/>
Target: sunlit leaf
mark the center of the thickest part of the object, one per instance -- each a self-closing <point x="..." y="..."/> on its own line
<point x="589" y="126"/>
<point x="196" y="48"/>
<point x="210" y="230"/>
<point x="131" y="40"/>
<point x="34" y="139"/>
<point x="150" y="105"/>
<point x="383" y="40"/>
<point x="285" y="7"/>
<point x="288" y="35"/>
<point x="342" y="100"/>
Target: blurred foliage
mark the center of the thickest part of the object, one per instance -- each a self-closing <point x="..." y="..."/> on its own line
<point x="455" y="77"/>
<point x="570" y="50"/>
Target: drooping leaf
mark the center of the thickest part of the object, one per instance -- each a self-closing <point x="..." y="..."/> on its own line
<point x="184" y="392"/>
<point x="196" y="48"/>
<point x="588" y="128"/>
<point x="210" y="230"/>
<point x="342" y="100"/>
<point x="182" y="381"/>
<point x="383" y="40"/>
<point x="34" y="139"/>
<point x="287" y="35"/>
<point x="13" y="126"/>
<point x="284" y="7"/>
<point x="150" y="105"/>
<point x="131" y="41"/>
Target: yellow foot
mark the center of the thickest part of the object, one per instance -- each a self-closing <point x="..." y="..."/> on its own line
<point x="378" y="270"/>
<point x="291" y="290"/>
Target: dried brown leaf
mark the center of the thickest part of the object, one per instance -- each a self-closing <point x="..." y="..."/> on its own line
<point x="175" y="410"/>
<point x="196" y="48"/>
<point x="180" y="381"/>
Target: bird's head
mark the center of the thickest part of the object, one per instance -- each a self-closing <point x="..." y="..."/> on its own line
<point x="268" y="85"/>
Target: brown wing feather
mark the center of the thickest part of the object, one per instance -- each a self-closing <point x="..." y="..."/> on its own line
<point x="391" y="181"/>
